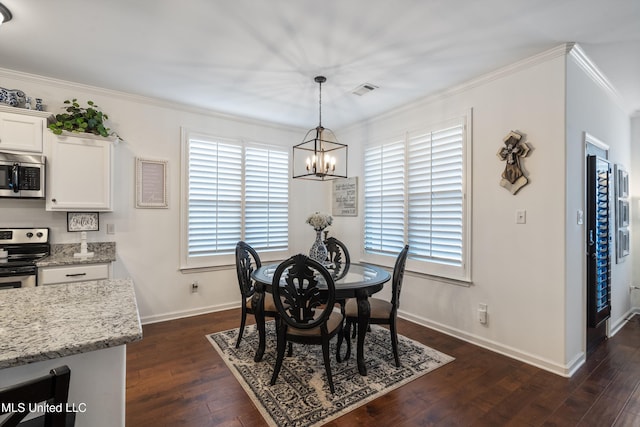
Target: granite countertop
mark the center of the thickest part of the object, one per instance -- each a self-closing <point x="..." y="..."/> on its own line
<point x="47" y="322"/>
<point x="62" y="254"/>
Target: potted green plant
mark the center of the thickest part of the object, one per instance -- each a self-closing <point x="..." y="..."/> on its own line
<point x="80" y="119"/>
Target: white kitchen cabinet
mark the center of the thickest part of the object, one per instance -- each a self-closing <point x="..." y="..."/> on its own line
<point x="73" y="273"/>
<point x="21" y="129"/>
<point x="79" y="172"/>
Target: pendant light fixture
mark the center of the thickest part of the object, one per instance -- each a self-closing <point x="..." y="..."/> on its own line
<point x="320" y="156"/>
<point x="5" y="15"/>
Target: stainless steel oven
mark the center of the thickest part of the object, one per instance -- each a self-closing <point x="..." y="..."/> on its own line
<point x="20" y="249"/>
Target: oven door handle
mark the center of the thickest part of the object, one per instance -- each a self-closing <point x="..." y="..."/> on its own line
<point x="14" y="178"/>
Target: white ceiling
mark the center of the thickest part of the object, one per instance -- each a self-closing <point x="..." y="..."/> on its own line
<point x="258" y="58"/>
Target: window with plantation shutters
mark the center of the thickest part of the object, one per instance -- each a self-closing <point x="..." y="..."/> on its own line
<point x="415" y="193"/>
<point x="234" y="191"/>
<point x="266" y="213"/>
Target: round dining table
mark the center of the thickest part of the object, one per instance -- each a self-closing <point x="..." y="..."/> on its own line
<point x="356" y="280"/>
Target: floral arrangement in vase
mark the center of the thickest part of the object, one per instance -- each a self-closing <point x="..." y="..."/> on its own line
<point x="319" y="221"/>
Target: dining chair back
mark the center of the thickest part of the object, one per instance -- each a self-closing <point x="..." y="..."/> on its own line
<point x="52" y="388"/>
<point x="247" y="260"/>
<point x="305" y="312"/>
<point x="398" y="276"/>
<point x="338" y="259"/>
<point x="382" y="312"/>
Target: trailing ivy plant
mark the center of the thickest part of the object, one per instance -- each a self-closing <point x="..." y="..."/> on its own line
<point x="81" y="119"/>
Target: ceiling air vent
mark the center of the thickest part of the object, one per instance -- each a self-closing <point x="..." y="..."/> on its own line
<point x="364" y="88"/>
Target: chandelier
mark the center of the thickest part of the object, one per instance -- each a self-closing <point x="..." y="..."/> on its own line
<point x="320" y="156"/>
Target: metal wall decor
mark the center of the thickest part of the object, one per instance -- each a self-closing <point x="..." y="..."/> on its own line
<point x="513" y="178"/>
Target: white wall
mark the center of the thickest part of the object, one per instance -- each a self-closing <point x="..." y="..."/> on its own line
<point x="147" y="240"/>
<point x="593" y="109"/>
<point x="517" y="270"/>
<point x="634" y="191"/>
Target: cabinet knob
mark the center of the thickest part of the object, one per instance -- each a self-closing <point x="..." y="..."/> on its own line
<point x="53" y="200"/>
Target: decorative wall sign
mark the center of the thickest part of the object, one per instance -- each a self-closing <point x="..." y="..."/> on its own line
<point x="151" y="183"/>
<point x="514" y="149"/>
<point x="345" y="197"/>
<point x="83" y="221"/>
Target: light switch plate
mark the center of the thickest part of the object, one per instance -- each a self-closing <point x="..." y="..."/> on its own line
<point x="521" y="217"/>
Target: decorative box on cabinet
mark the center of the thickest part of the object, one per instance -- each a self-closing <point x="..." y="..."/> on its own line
<point x="79" y="172"/>
<point x="22" y="129"/>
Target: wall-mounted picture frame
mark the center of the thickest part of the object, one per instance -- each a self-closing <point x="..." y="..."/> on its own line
<point x="624" y="244"/>
<point x="151" y="183"/>
<point x="622" y="181"/>
<point x="623" y="213"/>
<point x="345" y="197"/>
<point x="83" y="221"/>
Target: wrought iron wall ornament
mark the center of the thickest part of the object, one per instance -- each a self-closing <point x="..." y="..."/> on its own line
<point x="514" y="150"/>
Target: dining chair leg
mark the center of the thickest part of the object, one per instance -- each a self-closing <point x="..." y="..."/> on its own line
<point x="327" y="364"/>
<point x="242" y="323"/>
<point x="394" y="340"/>
<point x="281" y="347"/>
<point x="347" y="332"/>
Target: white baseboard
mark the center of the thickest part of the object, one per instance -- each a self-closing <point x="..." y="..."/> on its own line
<point x="547" y="365"/>
<point x="187" y="313"/>
<point x="614" y="328"/>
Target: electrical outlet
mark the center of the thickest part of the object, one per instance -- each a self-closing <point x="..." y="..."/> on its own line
<point x="482" y="313"/>
<point x="111" y="229"/>
<point x="194" y="286"/>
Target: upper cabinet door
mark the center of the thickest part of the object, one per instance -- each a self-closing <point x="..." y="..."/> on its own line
<point x="21" y="132"/>
<point x="79" y="172"/>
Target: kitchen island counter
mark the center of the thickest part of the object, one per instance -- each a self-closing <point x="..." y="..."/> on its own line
<point x="83" y="325"/>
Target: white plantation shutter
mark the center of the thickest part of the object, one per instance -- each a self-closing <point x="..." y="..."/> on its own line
<point x="267" y="198"/>
<point x="436" y="196"/>
<point x="235" y="191"/>
<point x="215" y="198"/>
<point x="384" y="195"/>
<point x="415" y="193"/>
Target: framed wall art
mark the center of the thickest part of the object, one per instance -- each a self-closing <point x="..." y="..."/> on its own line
<point x="83" y="221"/>
<point x="151" y="183"/>
<point x="345" y="197"/>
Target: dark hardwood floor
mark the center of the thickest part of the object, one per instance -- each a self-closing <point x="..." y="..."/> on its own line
<point x="176" y="378"/>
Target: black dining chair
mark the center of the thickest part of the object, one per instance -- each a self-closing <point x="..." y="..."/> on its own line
<point x="306" y="315"/>
<point x="52" y="388"/>
<point x="338" y="259"/>
<point x="382" y="312"/>
<point x="247" y="259"/>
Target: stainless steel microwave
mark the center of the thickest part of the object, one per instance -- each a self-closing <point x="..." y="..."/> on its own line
<point x="22" y="175"/>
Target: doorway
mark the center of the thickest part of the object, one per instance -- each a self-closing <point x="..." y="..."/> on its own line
<point x="598" y="229"/>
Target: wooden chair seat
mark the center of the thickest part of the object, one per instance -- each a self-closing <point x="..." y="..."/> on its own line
<point x="380" y="309"/>
<point x="334" y="322"/>
<point x="269" y="306"/>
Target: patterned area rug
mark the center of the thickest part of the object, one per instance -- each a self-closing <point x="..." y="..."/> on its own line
<point x="301" y="395"/>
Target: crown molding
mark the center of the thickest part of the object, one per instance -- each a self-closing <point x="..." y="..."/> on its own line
<point x="542" y="57"/>
<point x="585" y="63"/>
<point x="68" y="85"/>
